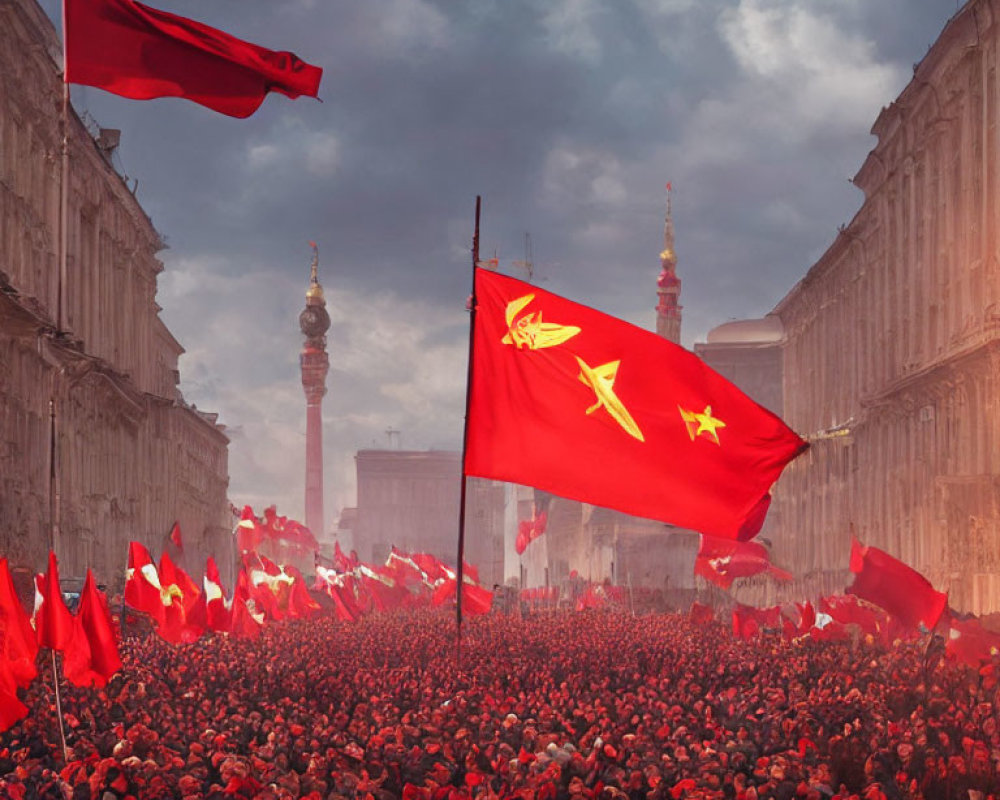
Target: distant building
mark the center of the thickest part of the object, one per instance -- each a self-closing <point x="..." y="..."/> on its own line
<point x="410" y="499"/>
<point x="749" y="353"/>
<point x="89" y="370"/>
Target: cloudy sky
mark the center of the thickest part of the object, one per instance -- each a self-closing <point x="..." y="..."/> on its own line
<point x="567" y="116"/>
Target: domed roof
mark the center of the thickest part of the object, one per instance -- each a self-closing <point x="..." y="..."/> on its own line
<point x="748" y="331"/>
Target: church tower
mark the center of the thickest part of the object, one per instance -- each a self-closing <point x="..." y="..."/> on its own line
<point x="668" y="285"/>
<point x="314" y="321"/>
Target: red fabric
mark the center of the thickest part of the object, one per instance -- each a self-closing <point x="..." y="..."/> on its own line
<point x="701" y="614"/>
<point x="300" y="604"/>
<point x="172" y="575"/>
<point x="181" y="622"/>
<point x="243" y="623"/>
<point x="140" y="52"/>
<point x="11" y="708"/>
<point x="249" y="532"/>
<point x="218" y="617"/>
<point x="341" y="562"/>
<point x="970" y="643"/>
<point x="530" y="529"/>
<point x="747" y="621"/>
<point x="847" y="610"/>
<point x="99" y="631"/>
<point x="475" y="599"/>
<point x="142" y="584"/>
<point x="54" y="624"/>
<point x="721" y="561"/>
<point x="18" y="644"/>
<point x="175" y="536"/>
<point x="550" y="408"/>
<point x="887" y="582"/>
<point x="432" y="566"/>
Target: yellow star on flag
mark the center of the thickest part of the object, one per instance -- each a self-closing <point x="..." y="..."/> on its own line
<point x="702" y="424"/>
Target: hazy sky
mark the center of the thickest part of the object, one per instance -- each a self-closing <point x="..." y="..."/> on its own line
<point x="567" y="116"/>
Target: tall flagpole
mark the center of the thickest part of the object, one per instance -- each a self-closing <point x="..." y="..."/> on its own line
<point x="460" y="577"/>
<point x="54" y="498"/>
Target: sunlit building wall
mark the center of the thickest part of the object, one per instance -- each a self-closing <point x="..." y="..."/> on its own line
<point x="892" y="349"/>
<point x="130" y="456"/>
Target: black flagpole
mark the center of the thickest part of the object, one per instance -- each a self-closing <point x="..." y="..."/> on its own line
<point x="465" y="439"/>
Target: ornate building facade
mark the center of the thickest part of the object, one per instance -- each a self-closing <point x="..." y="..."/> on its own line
<point x="97" y="446"/>
<point x="892" y="343"/>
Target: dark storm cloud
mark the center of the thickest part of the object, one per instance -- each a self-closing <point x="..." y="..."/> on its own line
<point x="568" y="117"/>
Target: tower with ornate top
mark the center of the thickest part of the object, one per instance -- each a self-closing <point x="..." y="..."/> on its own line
<point x="668" y="285"/>
<point x="314" y="321"/>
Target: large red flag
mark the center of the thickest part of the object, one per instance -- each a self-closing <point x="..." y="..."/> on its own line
<point x="592" y="408"/>
<point x="97" y="629"/>
<point x="54" y="624"/>
<point x="887" y="582"/>
<point x="140" y="52"/>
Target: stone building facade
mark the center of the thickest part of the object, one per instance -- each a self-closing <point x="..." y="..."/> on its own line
<point x="892" y="343"/>
<point x="88" y="370"/>
<point x="411" y="499"/>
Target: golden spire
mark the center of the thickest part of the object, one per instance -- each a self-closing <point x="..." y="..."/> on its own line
<point x="315" y="291"/>
<point x="668" y="234"/>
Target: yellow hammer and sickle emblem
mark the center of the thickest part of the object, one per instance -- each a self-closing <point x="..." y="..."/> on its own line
<point x="529" y="331"/>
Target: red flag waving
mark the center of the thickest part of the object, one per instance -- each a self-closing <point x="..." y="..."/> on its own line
<point x="142" y="584"/>
<point x="140" y="52"/>
<point x="96" y="626"/>
<point x="54" y="624"/>
<point x="592" y="408"/>
<point x="18" y="644"/>
<point x="887" y="582"/>
<point x="723" y="560"/>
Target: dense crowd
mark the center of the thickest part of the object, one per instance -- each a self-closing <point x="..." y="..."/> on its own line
<point x="554" y="706"/>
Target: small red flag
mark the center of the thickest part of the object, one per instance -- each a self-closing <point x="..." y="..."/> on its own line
<point x="887" y="582"/>
<point x="54" y="624"/>
<point x="97" y="633"/>
<point x="244" y="623"/>
<point x="136" y="51"/>
<point x="589" y="407"/>
<point x="176" y="538"/>
<point x="219" y="616"/>
<point x="142" y="584"/>
<point x="721" y="561"/>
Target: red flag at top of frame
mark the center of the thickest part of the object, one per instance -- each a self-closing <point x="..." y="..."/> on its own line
<point x="136" y="51"/>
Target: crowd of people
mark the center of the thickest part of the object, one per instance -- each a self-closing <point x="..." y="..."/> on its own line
<point x="553" y="706"/>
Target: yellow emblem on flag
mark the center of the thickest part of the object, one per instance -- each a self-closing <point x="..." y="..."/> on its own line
<point x="529" y="330"/>
<point x="602" y="380"/>
<point x="702" y="424"/>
